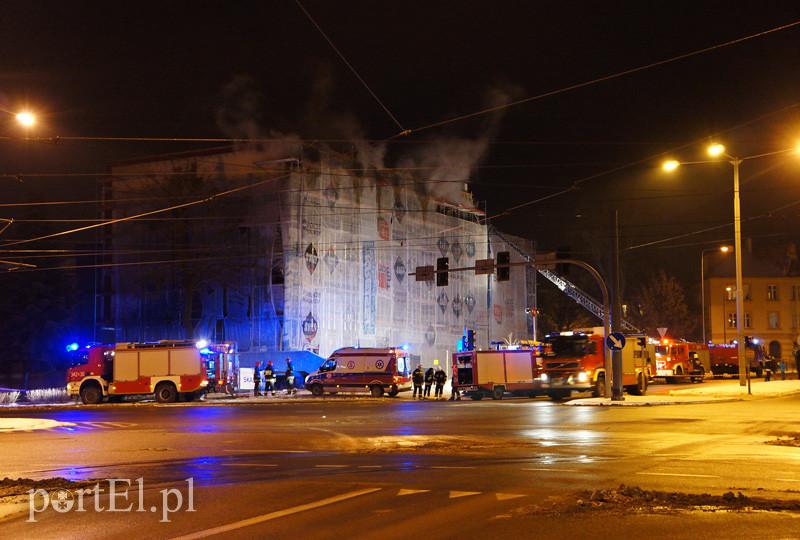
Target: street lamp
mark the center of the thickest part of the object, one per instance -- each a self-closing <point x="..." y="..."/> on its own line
<point x="722" y="249"/>
<point x="26" y="119"/>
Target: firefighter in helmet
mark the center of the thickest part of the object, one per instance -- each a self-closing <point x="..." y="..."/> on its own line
<point x="439" y="378"/>
<point x="257" y="379"/>
<point x="269" y="379"/>
<point x="428" y="382"/>
<point x="290" y="389"/>
<point x="417" y="377"/>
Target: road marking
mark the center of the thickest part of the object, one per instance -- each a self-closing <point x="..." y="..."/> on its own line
<point x="448" y="467"/>
<point x="411" y="491"/>
<point x="457" y="494"/>
<point x="370" y="466"/>
<point x="678" y="474"/>
<point x="507" y="496"/>
<point x="330" y="466"/>
<point x="787" y="480"/>
<point x="549" y="470"/>
<point x="275" y="515"/>
<point x="250" y="464"/>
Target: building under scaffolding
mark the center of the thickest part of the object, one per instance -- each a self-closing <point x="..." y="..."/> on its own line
<point x="314" y="256"/>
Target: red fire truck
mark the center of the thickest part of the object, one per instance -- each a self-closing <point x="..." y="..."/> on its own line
<point x="166" y="369"/>
<point x="725" y="358"/>
<point x="495" y="373"/>
<point x="681" y="360"/>
<point x="576" y="361"/>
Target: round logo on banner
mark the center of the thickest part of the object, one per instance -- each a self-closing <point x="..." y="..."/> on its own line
<point x="379" y="364"/>
<point x="351" y="364"/>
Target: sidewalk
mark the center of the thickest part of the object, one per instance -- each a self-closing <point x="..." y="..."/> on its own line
<point x="733" y="390"/>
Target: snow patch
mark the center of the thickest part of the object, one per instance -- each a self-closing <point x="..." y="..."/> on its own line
<point x="30" y="424"/>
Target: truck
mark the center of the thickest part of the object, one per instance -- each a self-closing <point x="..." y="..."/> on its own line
<point x="681" y="360"/>
<point x="575" y="360"/>
<point x="166" y="369"/>
<point x="355" y="369"/>
<point x="494" y="373"/>
<point x="724" y="358"/>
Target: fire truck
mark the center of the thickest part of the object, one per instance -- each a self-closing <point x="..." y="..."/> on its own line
<point x="495" y="373"/>
<point x="576" y="361"/>
<point x="724" y="358"/>
<point x="166" y="369"/>
<point x="681" y="360"/>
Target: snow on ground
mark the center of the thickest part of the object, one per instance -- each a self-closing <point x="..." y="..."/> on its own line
<point x="733" y="390"/>
<point x="643" y="401"/>
<point x="29" y="424"/>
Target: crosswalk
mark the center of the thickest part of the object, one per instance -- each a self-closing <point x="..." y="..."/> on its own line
<point x="97" y="425"/>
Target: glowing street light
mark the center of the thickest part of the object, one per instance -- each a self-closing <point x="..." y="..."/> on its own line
<point x="670" y="165"/>
<point x="725" y="249"/>
<point x="716" y="150"/>
<point x="26" y="118"/>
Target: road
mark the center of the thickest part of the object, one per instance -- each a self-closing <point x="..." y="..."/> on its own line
<point x="393" y="468"/>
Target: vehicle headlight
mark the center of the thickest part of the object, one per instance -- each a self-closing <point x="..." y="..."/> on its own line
<point x="583" y="376"/>
<point x="545" y="377"/>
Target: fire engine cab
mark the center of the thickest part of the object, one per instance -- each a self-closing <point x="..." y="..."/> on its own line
<point x="576" y="361"/>
<point x="166" y="369"/>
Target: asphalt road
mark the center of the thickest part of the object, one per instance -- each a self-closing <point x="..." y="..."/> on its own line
<point x="394" y="468"/>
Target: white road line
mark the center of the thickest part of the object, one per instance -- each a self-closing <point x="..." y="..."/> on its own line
<point x="370" y="466"/>
<point x="507" y="496"/>
<point x="549" y="470"/>
<point x="404" y="492"/>
<point x="275" y="515"/>
<point x="787" y="480"/>
<point x="678" y="474"/>
<point x="457" y="494"/>
<point x="449" y="467"/>
<point x="250" y="464"/>
<point x="330" y="466"/>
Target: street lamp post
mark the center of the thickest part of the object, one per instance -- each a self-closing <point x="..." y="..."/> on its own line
<point x="723" y="249"/>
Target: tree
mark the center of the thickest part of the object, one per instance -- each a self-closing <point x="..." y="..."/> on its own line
<point x="661" y="303"/>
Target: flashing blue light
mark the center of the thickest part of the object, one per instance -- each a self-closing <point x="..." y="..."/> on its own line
<point x="202" y="344"/>
<point x="405" y="347"/>
<point x="205" y="350"/>
<point x="755" y="341"/>
<point x="72" y="347"/>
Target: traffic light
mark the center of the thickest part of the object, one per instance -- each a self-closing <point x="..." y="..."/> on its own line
<point x="442" y="266"/>
<point x="470" y="338"/>
<point x="502" y="265"/>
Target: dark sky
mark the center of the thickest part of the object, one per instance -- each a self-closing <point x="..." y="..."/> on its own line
<point x="173" y="68"/>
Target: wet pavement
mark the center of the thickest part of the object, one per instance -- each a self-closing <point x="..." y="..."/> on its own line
<point x="369" y="468"/>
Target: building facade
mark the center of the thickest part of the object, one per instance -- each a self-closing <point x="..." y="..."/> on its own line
<point x="311" y="253"/>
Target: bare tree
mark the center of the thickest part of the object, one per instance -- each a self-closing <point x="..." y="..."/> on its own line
<point x="661" y="303"/>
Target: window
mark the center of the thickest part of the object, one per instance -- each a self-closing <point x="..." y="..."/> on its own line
<point x="773" y="320"/>
<point x="730" y="291"/>
<point x="731" y="320"/>
<point x="795" y="292"/>
<point x="795" y="320"/>
<point x="772" y="292"/>
<point x="747" y="320"/>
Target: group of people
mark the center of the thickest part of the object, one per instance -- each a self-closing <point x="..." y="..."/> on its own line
<point x="269" y="376"/>
<point x="423" y="380"/>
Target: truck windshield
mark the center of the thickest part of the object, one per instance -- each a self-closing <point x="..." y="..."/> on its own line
<point x="78" y="358"/>
<point x="662" y="349"/>
<point x="568" y="347"/>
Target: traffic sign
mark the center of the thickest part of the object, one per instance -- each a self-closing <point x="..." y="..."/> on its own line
<point x="424" y="273"/>
<point x="662" y="331"/>
<point x="615" y="341"/>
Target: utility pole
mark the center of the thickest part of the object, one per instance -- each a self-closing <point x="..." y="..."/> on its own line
<point x="616" y="317"/>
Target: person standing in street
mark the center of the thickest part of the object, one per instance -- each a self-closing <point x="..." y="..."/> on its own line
<point x="440" y="377"/>
<point x="428" y="382"/>
<point x="455" y="395"/>
<point x="290" y="389"/>
<point x="797" y="361"/>
<point x="417" y="377"/>
<point x="257" y="379"/>
<point x="269" y="379"/>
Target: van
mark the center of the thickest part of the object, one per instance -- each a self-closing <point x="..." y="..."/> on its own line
<point x="354" y="369"/>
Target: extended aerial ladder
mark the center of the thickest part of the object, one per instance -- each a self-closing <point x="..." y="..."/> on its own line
<point x="580" y="297"/>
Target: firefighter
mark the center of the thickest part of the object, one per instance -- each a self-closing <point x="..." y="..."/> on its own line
<point x="290" y="389"/>
<point x="257" y="379"/>
<point x="269" y="379"/>
<point x="440" y="377"/>
<point x="455" y="395"/>
<point x="417" y="377"/>
<point x="428" y="382"/>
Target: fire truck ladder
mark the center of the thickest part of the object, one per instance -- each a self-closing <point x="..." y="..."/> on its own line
<point x="566" y="286"/>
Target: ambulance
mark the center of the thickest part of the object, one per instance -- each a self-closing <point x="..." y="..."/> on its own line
<point x="355" y="369"/>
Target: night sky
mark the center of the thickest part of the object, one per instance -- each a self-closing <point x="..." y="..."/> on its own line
<point x="212" y="69"/>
